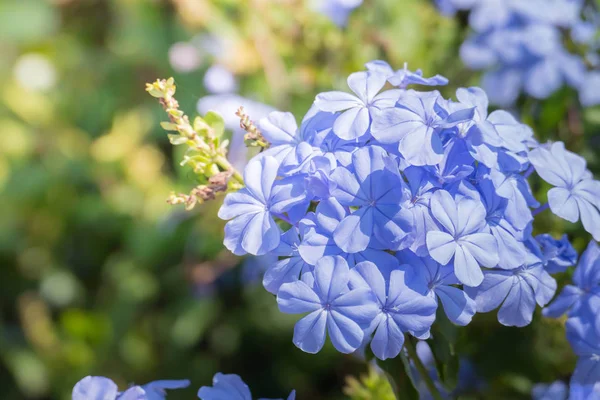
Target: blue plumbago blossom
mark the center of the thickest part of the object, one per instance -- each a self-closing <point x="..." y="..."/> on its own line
<point x="520" y="46"/>
<point x="576" y="195"/>
<point x="557" y="254"/>
<point x="461" y="238"/>
<point x="584" y="295"/>
<point x="516" y="292"/>
<point x="584" y="338"/>
<point x="252" y="209"/>
<point x="333" y="307"/>
<point x="438" y="282"/>
<point x="230" y="387"/>
<point x="402" y="78"/>
<point x="382" y="204"/>
<point x="401" y="309"/>
<point x="356" y="109"/>
<point x="415" y="123"/>
<point x="101" y="388"/>
<point x="338" y="11"/>
<point x="375" y="189"/>
<point x="553" y="391"/>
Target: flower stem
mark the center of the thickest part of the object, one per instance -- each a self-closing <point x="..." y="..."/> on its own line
<point x="224" y="163"/>
<point x="540" y="209"/>
<point x="412" y="354"/>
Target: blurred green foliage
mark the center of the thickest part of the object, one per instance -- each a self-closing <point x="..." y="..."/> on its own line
<point x="100" y="276"/>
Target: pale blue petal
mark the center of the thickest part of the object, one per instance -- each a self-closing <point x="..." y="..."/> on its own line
<point x="336" y="101"/>
<point x="493" y="290"/>
<point x="366" y="85"/>
<point x="261" y="234"/>
<point x="466" y="268"/>
<point x="309" y="332"/>
<point x="297" y="298"/>
<point x="563" y="204"/>
<point x="360" y="305"/>
<point x="519" y="305"/>
<point x="287" y="193"/>
<point x="352" y="123"/>
<point x="238" y="203"/>
<point x="390" y="125"/>
<point x="483" y="247"/>
<point x="259" y="177"/>
<point x="567" y="299"/>
<point x="284" y="271"/>
<point x="366" y="274"/>
<point x="458" y="306"/>
<point x="441" y="246"/>
<point x="348" y="191"/>
<point x="444" y="209"/>
<point x="345" y="334"/>
<point x="587" y="273"/>
<point x="95" y="388"/>
<point x="422" y="147"/>
<point x="331" y="277"/>
<point x="388" y="339"/>
<point x="354" y="233"/>
<point x="587" y="370"/>
<point x="225" y="387"/>
<point x="279" y="128"/>
<point x="590" y="217"/>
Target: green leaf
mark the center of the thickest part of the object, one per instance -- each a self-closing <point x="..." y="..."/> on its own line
<point x="216" y="122"/>
<point x="397" y="371"/>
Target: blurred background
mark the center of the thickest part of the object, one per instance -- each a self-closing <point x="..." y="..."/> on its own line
<point x="100" y="276"/>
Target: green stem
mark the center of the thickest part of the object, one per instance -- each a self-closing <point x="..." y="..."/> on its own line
<point x="412" y="353"/>
<point x="224" y="163"/>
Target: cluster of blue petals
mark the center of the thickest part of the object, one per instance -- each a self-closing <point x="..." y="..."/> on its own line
<point x="225" y="387"/>
<point x="230" y="387"/>
<point x="387" y="202"/>
<point x="521" y="46"/>
<point x="101" y="388"/>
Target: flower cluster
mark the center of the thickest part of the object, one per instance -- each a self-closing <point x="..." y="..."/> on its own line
<point x="338" y="11"/>
<point x="581" y="303"/>
<point x="101" y="388"/>
<point x="225" y="387"/>
<point x="230" y="387"/>
<point x="521" y="46"/>
<point x="385" y="203"/>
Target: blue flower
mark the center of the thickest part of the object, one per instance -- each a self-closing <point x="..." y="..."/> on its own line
<point x="318" y="241"/>
<point x="252" y="228"/>
<point x="332" y="307"/>
<point x="436" y="281"/>
<point x="375" y="189"/>
<point x="578" y="299"/>
<point x="401" y="309"/>
<point x="461" y="238"/>
<point x="584" y="392"/>
<point x="337" y="11"/>
<point x="554" y="391"/>
<point x="229" y="387"/>
<point x="355" y="119"/>
<point x="402" y="78"/>
<point x="101" y="388"/>
<point x="585" y="341"/>
<point x="511" y="249"/>
<point x="415" y="124"/>
<point x="517" y="291"/>
<point x="291" y="146"/>
<point x="557" y="255"/>
<point x="290" y="268"/>
<point x="576" y="195"/>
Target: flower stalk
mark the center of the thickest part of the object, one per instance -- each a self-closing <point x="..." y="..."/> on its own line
<point x="206" y="153"/>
